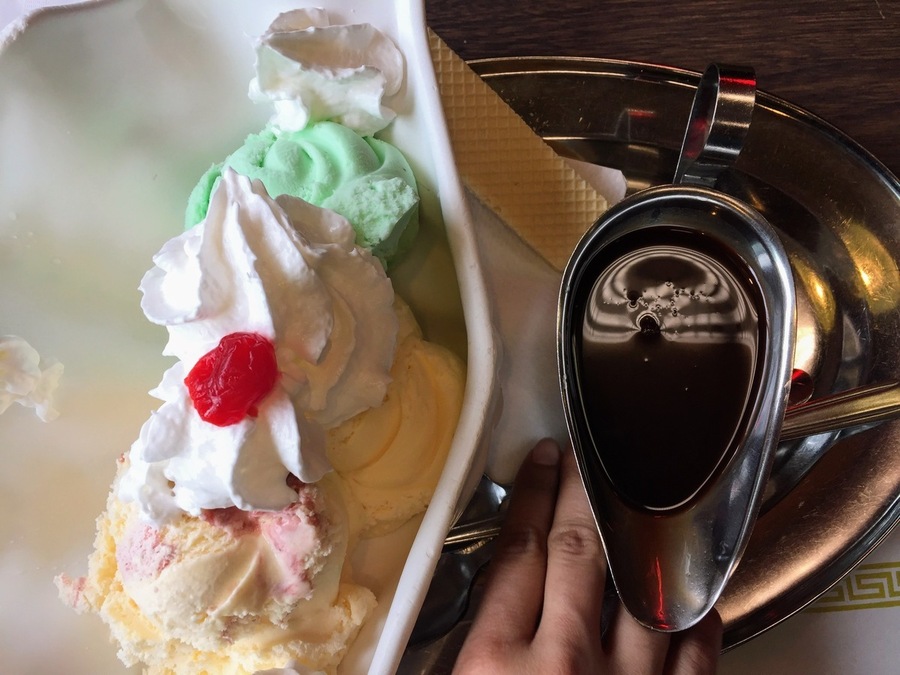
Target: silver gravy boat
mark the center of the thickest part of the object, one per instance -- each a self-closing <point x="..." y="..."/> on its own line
<point x="676" y="331"/>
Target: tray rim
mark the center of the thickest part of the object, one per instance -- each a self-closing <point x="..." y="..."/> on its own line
<point x="489" y="67"/>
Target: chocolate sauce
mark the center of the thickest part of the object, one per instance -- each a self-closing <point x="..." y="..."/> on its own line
<point x="668" y="355"/>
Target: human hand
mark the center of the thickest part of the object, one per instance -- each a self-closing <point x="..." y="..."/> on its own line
<point x="540" y="612"/>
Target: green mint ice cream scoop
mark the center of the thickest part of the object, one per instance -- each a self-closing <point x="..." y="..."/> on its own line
<point x="366" y="180"/>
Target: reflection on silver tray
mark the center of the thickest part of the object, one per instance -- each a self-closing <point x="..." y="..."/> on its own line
<point x="832" y="497"/>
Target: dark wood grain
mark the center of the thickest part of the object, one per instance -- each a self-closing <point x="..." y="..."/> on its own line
<point x="839" y="59"/>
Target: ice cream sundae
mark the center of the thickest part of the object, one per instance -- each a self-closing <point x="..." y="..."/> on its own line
<point x="304" y="410"/>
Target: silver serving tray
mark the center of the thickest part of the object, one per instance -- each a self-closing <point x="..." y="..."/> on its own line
<point x="833" y="497"/>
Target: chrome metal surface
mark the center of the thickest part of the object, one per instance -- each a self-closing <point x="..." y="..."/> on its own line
<point x="831" y="497"/>
<point x="671" y="562"/>
<point x="865" y="405"/>
<point x="464" y="554"/>
<point x="469" y="532"/>
<point x="718" y="124"/>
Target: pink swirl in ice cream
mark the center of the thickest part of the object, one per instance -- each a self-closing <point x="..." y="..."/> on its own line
<point x="229" y="591"/>
<point x="287" y="271"/>
<point x="207" y="581"/>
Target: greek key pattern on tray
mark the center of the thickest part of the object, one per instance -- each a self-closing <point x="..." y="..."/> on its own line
<point x="868" y="586"/>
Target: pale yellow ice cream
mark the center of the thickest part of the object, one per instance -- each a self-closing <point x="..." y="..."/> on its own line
<point x="391" y="457"/>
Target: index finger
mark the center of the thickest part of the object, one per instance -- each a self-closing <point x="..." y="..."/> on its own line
<point x="576" y="565"/>
<point x="513" y="594"/>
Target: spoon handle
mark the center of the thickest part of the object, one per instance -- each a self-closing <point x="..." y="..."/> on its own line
<point x="476" y="530"/>
<point x="861" y="405"/>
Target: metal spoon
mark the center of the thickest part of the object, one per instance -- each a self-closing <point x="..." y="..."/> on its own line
<point x="468" y="546"/>
<point x="857" y="407"/>
<point x="467" y="550"/>
<point x="861" y="405"/>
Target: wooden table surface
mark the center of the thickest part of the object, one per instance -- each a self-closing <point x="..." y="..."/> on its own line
<point x="839" y="59"/>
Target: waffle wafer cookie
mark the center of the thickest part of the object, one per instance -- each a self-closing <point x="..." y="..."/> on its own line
<point x="509" y="167"/>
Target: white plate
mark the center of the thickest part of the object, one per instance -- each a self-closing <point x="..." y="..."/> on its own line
<point x="108" y="115"/>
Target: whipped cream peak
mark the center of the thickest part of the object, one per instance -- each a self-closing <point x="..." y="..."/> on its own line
<point x="311" y="71"/>
<point x="290" y="272"/>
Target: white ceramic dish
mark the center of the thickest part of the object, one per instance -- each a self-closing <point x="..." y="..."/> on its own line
<point x="108" y="114"/>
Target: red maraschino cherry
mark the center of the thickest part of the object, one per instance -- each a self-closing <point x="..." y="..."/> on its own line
<point x="229" y="382"/>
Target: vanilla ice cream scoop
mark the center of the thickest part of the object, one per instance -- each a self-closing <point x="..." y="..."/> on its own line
<point x="391" y="457"/>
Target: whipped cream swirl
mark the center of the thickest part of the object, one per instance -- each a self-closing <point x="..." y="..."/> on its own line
<point x="290" y="272"/>
<point x="313" y="71"/>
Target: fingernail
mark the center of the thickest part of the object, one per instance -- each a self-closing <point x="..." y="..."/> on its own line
<point x="545" y="453"/>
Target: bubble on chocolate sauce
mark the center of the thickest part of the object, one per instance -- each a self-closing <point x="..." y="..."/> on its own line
<point x="649" y="325"/>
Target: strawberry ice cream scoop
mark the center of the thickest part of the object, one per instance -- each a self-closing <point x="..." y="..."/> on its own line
<point x="229" y="590"/>
<point x="206" y="580"/>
